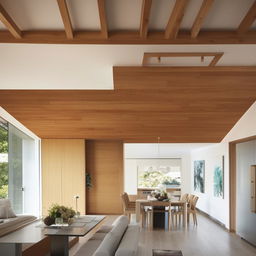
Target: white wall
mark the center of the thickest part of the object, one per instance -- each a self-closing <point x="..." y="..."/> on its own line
<point x="217" y="207"/>
<point x="153" y="150"/>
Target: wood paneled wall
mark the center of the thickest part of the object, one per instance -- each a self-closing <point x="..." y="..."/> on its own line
<point x="104" y="161"/>
<point x="63" y="172"/>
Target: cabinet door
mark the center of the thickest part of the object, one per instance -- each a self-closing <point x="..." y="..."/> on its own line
<point x="51" y="173"/>
<point x="63" y="173"/>
<point x="73" y="174"/>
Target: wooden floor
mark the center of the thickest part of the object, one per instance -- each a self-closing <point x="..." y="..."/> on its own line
<point x="207" y="239"/>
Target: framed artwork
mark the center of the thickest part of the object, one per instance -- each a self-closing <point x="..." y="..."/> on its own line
<point x="199" y="176"/>
<point x="218" y="177"/>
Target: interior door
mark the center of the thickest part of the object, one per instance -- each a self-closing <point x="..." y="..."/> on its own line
<point x="104" y="162"/>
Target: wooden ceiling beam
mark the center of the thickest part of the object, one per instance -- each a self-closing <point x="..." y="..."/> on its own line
<point x="175" y="19"/>
<point x="6" y="19"/>
<point x="103" y="18"/>
<point x="66" y="18"/>
<point x="205" y="8"/>
<point x="144" y="21"/>
<point x="248" y="19"/>
<point x="130" y="37"/>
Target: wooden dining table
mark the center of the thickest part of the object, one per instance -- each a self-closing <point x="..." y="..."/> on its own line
<point x="141" y="203"/>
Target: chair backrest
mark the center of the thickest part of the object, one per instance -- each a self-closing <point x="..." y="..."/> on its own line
<point x="190" y="198"/>
<point x="194" y="202"/>
<point x="184" y="197"/>
<point x="125" y="200"/>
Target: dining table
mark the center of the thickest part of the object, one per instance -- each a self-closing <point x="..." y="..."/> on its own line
<point x="141" y="203"/>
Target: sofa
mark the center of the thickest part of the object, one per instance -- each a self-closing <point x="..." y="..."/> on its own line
<point x="118" y="239"/>
<point x="9" y="221"/>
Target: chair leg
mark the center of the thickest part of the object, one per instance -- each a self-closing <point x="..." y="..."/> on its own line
<point x="170" y="221"/>
<point x="188" y="215"/>
<point x="195" y="218"/>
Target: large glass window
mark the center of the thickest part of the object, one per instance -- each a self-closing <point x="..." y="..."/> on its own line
<point x="19" y="169"/>
<point x="3" y="159"/>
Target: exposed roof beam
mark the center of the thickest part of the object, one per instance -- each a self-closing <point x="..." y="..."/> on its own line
<point x="130" y="37"/>
<point x="6" y="19"/>
<point x="205" y="8"/>
<point x="103" y="18"/>
<point x="66" y="18"/>
<point x="145" y="13"/>
<point x="248" y="19"/>
<point x="175" y="19"/>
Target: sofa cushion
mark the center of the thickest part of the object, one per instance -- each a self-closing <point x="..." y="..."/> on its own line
<point x="99" y="236"/>
<point x="5" y="209"/>
<point x="112" y="239"/>
<point x="129" y="243"/>
<point x="88" y="248"/>
<point x="10" y="225"/>
<point x="105" y="229"/>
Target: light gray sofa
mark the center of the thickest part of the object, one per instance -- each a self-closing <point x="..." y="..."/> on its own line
<point x="120" y="239"/>
<point x="9" y="221"/>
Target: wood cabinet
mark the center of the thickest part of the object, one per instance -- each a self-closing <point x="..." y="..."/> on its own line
<point x="63" y="173"/>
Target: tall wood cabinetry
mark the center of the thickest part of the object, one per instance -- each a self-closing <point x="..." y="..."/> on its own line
<point x="63" y="173"/>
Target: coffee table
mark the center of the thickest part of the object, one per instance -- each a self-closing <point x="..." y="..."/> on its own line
<point x="11" y="244"/>
<point x="60" y="235"/>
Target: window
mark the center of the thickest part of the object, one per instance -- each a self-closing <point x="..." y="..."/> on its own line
<point x="153" y="173"/>
<point x="3" y="159"/>
<point x="19" y="169"/>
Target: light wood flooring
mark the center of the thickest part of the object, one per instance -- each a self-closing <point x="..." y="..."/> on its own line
<point x="207" y="239"/>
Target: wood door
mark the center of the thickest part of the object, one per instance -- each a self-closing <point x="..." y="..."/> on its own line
<point x="104" y="162"/>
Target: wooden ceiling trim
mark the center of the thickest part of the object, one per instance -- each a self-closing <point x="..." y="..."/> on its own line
<point x="66" y="18"/>
<point x="175" y="19"/>
<point x="205" y="8"/>
<point x="248" y="19"/>
<point x="103" y="18"/>
<point x="216" y="56"/>
<point x="6" y="19"/>
<point x="145" y="14"/>
<point x="129" y="37"/>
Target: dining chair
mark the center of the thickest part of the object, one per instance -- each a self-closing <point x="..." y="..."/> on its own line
<point x="128" y="206"/>
<point x="184" y="197"/>
<point x="192" y="209"/>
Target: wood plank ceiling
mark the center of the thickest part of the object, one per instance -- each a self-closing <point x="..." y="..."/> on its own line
<point x="172" y="34"/>
<point x="178" y="104"/>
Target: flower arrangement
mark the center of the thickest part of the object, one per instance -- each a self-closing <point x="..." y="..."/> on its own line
<point x="160" y="195"/>
<point x="59" y="211"/>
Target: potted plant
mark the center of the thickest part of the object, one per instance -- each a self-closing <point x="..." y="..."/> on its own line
<point x="59" y="211"/>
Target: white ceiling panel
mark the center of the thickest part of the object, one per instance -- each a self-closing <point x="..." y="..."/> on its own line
<point x="160" y="14"/>
<point x="227" y="14"/>
<point x="84" y="14"/>
<point x="123" y="14"/>
<point x="34" y="14"/>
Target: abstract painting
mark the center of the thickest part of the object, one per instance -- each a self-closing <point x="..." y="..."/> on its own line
<point x="199" y="175"/>
<point x="218" y="177"/>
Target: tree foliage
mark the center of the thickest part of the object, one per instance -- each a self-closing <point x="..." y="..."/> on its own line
<point x="3" y="140"/>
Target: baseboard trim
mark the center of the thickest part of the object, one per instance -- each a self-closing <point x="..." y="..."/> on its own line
<point x="213" y="219"/>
